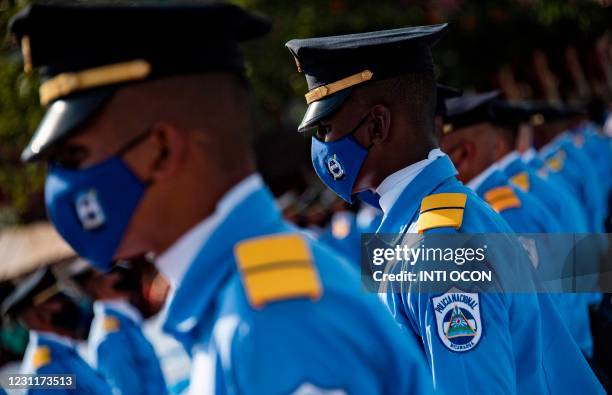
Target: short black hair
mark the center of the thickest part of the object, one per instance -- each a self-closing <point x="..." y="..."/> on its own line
<point x="414" y="92"/>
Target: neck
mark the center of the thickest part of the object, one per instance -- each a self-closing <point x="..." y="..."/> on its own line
<point x="403" y="161"/>
<point x="195" y="205"/>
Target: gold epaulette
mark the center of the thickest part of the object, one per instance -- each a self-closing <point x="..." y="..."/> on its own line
<point x="277" y="267"/>
<point x="502" y="198"/>
<point x="110" y="324"/>
<point x="441" y="210"/>
<point x="41" y="357"/>
<point x="521" y="180"/>
<point x="556" y="162"/>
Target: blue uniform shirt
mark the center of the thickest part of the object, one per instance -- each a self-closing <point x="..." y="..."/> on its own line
<point x="527" y="214"/>
<point x="53" y="354"/>
<point x="343" y="235"/>
<point x="345" y="230"/>
<point x="265" y="310"/>
<point x="531" y="159"/>
<point x="524" y="213"/>
<point x="520" y="344"/>
<point x="563" y="205"/>
<point x="121" y="352"/>
<point x="562" y="156"/>
<point x="598" y="148"/>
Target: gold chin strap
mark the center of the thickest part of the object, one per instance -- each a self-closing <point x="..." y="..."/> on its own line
<point x="45" y="295"/>
<point x="329" y="89"/>
<point x="67" y="83"/>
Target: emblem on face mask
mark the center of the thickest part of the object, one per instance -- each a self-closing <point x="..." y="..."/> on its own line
<point x="335" y="167"/>
<point x="458" y="320"/>
<point x="88" y="210"/>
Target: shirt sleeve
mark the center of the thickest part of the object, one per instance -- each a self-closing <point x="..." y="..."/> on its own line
<point x="117" y="365"/>
<point x="467" y="340"/>
<point x="325" y="351"/>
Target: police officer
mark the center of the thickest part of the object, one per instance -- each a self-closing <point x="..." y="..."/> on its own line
<point x="345" y="230"/>
<point x="560" y="155"/>
<point x="117" y="346"/>
<point x="561" y="203"/>
<point x="476" y="135"/>
<point x="147" y="140"/>
<point x="470" y="139"/>
<point x="371" y="111"/>
<point x="52" y="315"/>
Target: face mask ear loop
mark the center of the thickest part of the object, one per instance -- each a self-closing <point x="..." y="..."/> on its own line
<point x="359" y="125"/>
<point x="133" y="142"/>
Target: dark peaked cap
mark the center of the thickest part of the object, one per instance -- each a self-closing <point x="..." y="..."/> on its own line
<point x="538" y="113"/>
<point x="335" y="65"/>
<point x="33" y="290"/>
<point x="469" y="110"/>
<point x="85" y="51"/>
<point x="443" y="93"/>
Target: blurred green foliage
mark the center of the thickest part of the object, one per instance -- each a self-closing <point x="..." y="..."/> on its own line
<point x="485" y="35"/>
<point x="20" y="186"/>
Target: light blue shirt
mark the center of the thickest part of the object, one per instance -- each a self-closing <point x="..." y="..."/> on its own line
<point x="520" y="343"/>
<point x="339" y="339"/>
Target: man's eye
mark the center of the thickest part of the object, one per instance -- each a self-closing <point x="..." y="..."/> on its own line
<point x="69" y="157"/>
<point x="321" y="131"/>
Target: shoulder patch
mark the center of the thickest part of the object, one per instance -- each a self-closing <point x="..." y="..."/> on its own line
<point x="521" y="180"/>
<point x="458" y="320"/>
<point x="441" y="210"/>
<point x="555" y="163"/>
<point x="110" y="324"/>
<point x="277" y="267"/>
<point x="41" y="357"/>
<point x="502" y="198"/>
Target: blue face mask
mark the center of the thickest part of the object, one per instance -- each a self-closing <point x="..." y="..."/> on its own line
<point x="337" y="163"/>
<point x="92" y="207"/>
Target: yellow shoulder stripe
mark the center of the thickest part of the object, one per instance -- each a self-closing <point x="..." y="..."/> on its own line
<point x="42" y="356"/>
<point x="277" y="267"/>
<point x="110" y="323"/>
<point x="556" y="162"/>
<point x="441" y="210"/>
<point x="521" y="180"/>
<point x="502" y="198"/>
<point x="443" y="200"/>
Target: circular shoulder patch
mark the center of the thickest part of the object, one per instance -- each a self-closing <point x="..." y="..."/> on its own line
<point x="458" y="320"/>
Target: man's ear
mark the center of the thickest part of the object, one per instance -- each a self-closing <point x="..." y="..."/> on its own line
<point x="168" y="151"/>
<point x="379" y="130"/>
<point x="462" y="155"/>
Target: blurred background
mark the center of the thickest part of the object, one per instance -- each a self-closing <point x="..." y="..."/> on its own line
<point x="530" y="49"/>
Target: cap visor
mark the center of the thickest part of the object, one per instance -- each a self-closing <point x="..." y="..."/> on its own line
<point x="60" y="120"/>
<point x="323" y="108"/>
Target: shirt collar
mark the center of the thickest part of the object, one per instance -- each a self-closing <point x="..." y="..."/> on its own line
<point x="175" y="261"/>
<point x="479" y="179"/>
<point x="504" y="162"/>
<point x="391" y="188"/>
<point x="121" y="306"/>
<point x="529" y="155"/>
